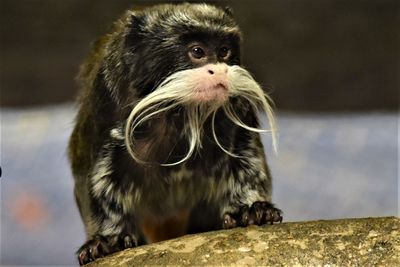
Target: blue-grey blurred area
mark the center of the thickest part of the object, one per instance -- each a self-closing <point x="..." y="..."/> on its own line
<point x="40" y="223"/>
<point x="331" y="66"/>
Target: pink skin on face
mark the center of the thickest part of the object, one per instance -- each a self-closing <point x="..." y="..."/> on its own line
<point x="211" y="83"/>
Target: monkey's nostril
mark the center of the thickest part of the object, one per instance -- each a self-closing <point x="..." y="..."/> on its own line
<point x="211" y="72"/>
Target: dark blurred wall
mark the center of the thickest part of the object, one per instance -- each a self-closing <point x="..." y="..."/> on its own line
<point x="312" y="54"/>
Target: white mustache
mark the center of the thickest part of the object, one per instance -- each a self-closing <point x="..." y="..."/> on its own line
<point x="178" y="89"/>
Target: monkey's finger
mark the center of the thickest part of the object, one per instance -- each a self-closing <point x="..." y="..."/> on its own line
<point x="83" y="257"/>
<point x="245" y="218"/>
<point x="273" y="215"/>
<point x="257" y="213"/>
<point x="229" y="222"/>
<point x="129" y="242"/>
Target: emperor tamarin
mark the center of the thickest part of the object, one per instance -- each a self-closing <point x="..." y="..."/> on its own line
<point x="167" y="139"/>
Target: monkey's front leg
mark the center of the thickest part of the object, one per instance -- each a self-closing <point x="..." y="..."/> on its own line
<point x="248" y="197"/>
<point x="108" y="224"/>
<point x="111" y="236"/>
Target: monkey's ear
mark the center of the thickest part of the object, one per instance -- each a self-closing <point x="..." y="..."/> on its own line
<point x="136" y="30"/>
<point x="228" y="11"/>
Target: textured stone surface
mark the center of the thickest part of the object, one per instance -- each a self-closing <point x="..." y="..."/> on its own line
<point x="355" y="242"/>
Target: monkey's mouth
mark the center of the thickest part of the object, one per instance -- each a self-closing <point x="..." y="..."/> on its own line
<point x="221" y="86"/>
<point x="215" y="93"/>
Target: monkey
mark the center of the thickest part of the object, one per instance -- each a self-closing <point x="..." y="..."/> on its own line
<point x="166" y="140"/>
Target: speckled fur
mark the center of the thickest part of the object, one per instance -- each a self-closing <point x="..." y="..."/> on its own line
<point x="114" y="192"/>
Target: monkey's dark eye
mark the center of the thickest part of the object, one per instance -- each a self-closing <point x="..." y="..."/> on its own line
<point x="224" y="52"/>
<point x="197" y="52"/>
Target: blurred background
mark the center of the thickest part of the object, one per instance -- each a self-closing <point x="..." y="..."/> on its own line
<point x="331" y="66"/>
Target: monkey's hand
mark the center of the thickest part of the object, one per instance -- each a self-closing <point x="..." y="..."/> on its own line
<point x="259" y="213"/>
<point x="101" y="246"/>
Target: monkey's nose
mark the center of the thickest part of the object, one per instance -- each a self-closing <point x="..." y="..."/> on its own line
<point x="217" y="69"/>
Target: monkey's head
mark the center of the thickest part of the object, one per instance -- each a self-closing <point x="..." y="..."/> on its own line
<point x="185" y="56"/>
<point x="165" y="39"/>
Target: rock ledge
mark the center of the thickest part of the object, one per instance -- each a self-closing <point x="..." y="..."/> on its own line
<point x="355" y="242"/>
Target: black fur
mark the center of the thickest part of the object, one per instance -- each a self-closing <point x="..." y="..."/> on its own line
<point x="113" y="192"/>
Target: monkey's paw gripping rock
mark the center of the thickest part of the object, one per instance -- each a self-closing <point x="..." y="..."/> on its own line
<point x="101" y="246"/>
<point x="259" y="213"/>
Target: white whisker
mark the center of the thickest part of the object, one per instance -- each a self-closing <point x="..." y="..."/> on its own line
<point x="216" y="138"/>
<point x="179" y="90"/>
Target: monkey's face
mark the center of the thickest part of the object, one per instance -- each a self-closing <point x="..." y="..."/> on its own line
<point x="210" y="79"/>
<point x="169" y="38"/>
<point x="186" y="57"/>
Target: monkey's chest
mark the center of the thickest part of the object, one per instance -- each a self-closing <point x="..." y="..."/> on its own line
<point x="159" y="227"/>
<point x="178" y="191"/>
<point x="164" y="213"/>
